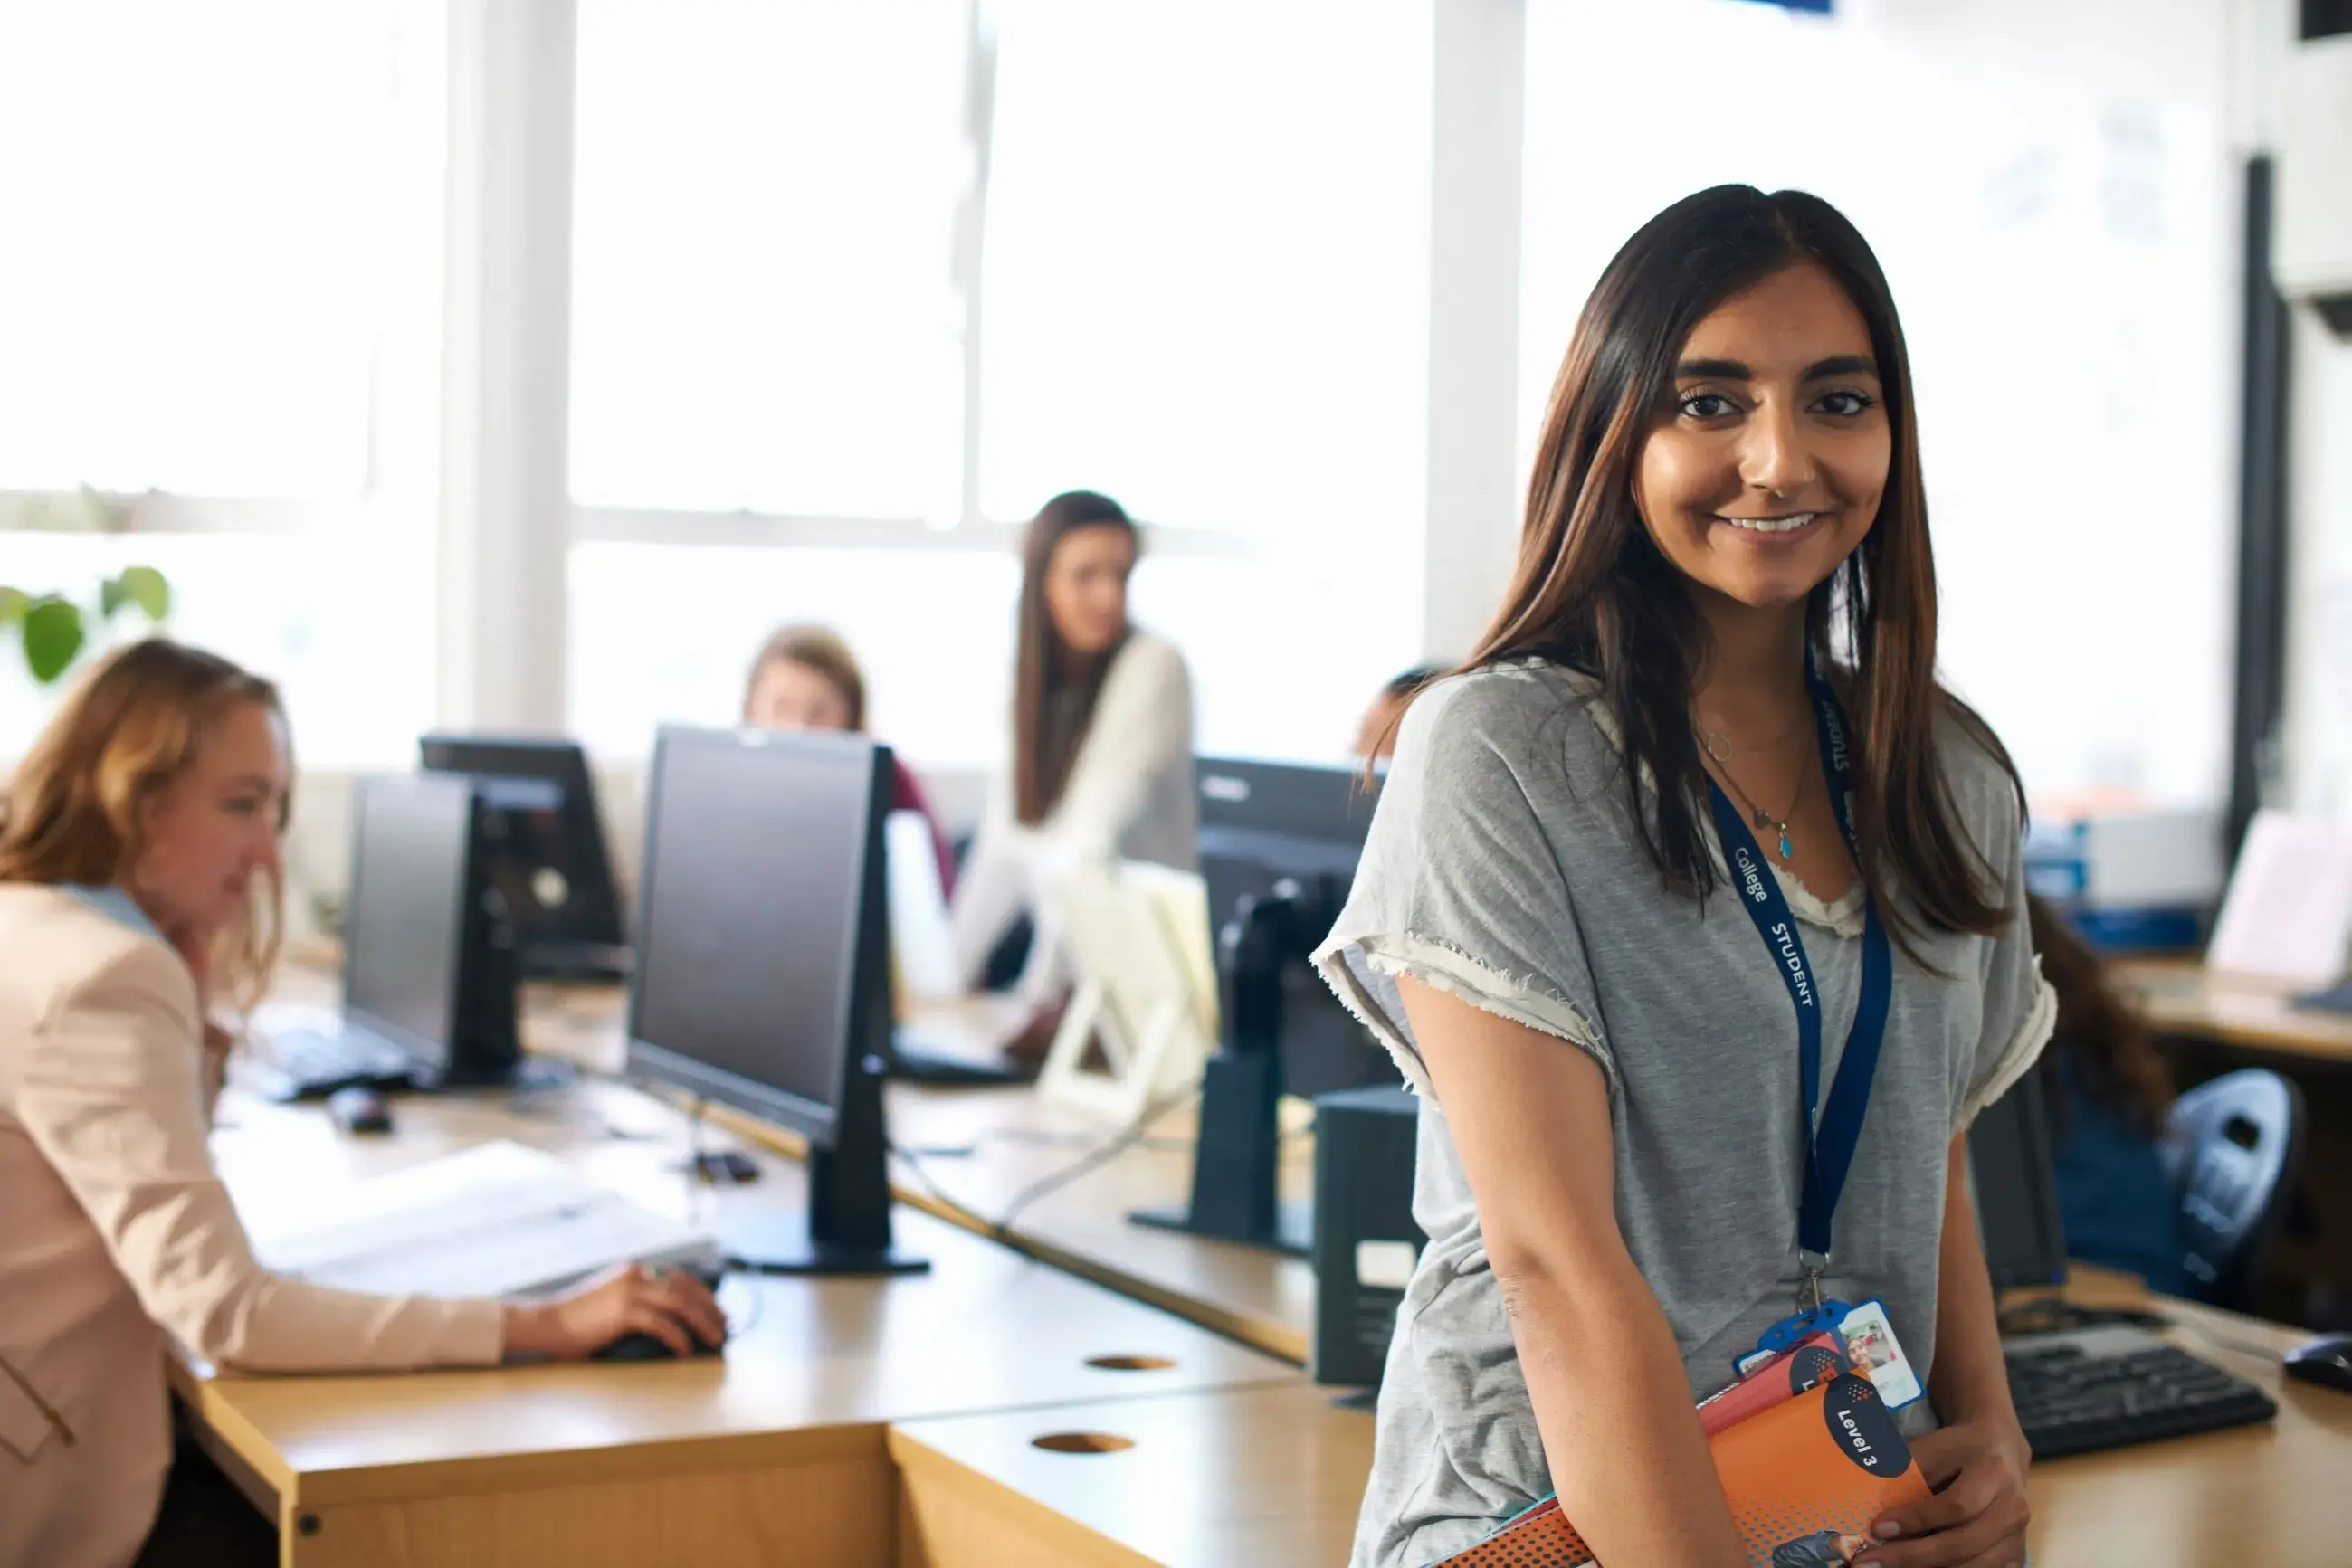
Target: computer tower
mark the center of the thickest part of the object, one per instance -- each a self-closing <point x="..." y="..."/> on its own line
<point x="1366" y="1243"/>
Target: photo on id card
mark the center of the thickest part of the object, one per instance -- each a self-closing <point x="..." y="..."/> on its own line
<point x="1872" y="1350"/>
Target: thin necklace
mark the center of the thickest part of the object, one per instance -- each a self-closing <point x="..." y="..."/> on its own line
<point x="1718" y="745"/>
<point x="1765" y="819"/>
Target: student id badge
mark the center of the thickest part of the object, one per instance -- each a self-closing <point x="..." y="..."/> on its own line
<point x="1872" y="1351"/>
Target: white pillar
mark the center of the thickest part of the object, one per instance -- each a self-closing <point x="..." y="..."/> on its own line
<point x="1477" y="122"/>
<point x="506" y="513"/>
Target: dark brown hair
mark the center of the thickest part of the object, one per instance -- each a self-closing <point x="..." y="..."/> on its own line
<point x="817" y="648"/>
<point x="1593" y="591"/>
<point x="2100" y="1034"/>
<point x="1045" y="668"/>
<point x="74" y="810"/>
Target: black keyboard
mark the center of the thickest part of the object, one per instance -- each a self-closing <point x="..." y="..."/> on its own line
<point x="305" y="1064"/>
<point x="919" y="1064"/>
<point x="2112" y="1387"/>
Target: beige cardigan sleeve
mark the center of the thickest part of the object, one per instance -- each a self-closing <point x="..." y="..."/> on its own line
<point x="112" y="1096"/>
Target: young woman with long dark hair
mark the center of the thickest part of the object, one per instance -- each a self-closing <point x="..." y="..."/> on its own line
<point x="1102" y="739"/>
<point x="1692" y="886"/>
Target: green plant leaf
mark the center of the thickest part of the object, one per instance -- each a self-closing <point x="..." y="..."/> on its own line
<point x="111" y="597"/>
<point x="146" y="588"/>
<point x="53" y="636"/>
<point x="12" y="605"/>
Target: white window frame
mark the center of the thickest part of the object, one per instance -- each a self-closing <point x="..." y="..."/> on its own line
<point x="490" y="460"/>
<point x="970" y="531"/>
<point x="406" y="363"/>
<point x="397" y="500"/>
<point x="1479" y="49"/>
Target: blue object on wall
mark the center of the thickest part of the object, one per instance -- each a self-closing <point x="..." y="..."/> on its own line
<point x="1819" y="8"/>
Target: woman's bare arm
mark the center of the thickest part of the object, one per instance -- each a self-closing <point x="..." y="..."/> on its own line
<point x="1530" y="1115"/>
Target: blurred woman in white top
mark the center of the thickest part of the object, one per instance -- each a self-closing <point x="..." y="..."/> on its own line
<point x="139" y="885"/>
<point x="1102" y="742"/>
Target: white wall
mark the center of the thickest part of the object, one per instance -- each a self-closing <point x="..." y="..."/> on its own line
<point x="2316" y="765"/>
<point x="2052" y="189"/>
<point x="2313" y="770"/>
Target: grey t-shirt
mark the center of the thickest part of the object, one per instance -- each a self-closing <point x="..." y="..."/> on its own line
<point x="1503" y="866"/>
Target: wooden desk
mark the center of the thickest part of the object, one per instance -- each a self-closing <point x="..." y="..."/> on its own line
<point x="1272" y="1476"/>
<point x="1275" y="1474"/>
<point x="2258" y="1497"/>
<point x="975" y="1150"/>
<point x="781" y="1450"/>
<point x="774" y="1453"/>
<point x="2183" y="1001"/>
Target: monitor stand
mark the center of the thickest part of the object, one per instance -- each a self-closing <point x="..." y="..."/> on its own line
<point x="486" y="1033"/>
<point x="1236" y="1158"/>
<point x="776" y="1241"/>
<point x="1235" y="1162"/>
<point x="521" y="1075"/>
<point x="846" y="1226"/>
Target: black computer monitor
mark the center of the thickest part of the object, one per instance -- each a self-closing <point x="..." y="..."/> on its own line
<point x="428" y="961"/>
<point x="1297" y="830"/>
<point x="552" y="870"/>
<point x="2016" y="1190"/>
<point x="1279" y="844"/>
<point x="763" y="973"/>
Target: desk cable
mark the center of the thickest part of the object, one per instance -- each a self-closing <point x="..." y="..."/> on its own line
<point x="1166" y="1143"/>
<point x="1093" y="1159"/>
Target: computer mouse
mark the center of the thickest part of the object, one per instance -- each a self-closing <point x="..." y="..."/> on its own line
<point x="2327" y="1361"/>
<point x="358" y="1109"/>
<point x="646" y="1347"/>
<point x="728" y="1166"/>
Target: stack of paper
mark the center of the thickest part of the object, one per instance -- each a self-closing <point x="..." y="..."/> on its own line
<point x="496" y="1220"/>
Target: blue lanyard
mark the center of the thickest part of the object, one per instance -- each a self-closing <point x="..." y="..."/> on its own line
<point x="1832" y="1130"/>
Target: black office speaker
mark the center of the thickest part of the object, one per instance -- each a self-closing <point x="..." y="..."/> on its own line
<point x="1366" y="1243"/>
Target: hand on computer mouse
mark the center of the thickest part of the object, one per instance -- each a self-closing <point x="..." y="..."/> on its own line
<point x="670" y="1304"/>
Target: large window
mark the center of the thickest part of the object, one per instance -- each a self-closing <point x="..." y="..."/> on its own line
<point x="220" y="282"/>
<point x="1287" y="647"/>
<point x="763" y="306"/>
<point x="1206" y="270"/>
<point x="1198" y="281"/>
<point x="2056" y="222"/>
<point x="199" y="203"/>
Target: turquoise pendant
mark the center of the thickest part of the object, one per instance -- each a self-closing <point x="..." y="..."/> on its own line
<point x="1785" y="851"/>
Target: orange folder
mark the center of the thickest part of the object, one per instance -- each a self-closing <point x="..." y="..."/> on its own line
<point x="1806" y="1480"/>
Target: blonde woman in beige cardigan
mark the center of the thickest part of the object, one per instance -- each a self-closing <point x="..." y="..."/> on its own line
<point x="139" y="886"/>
